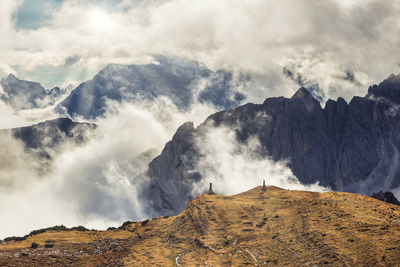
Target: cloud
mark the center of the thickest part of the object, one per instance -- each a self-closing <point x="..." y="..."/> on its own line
<point x="322" y="39"/>
<point x="234" y="167"/>
<point x="15" y="164"/>
<point x="72" y="60"/>
<point x="8" y="117"/>
<point x="5" y="70"/>
<point x="97" y="184"/>
<point x="11" y="118"/>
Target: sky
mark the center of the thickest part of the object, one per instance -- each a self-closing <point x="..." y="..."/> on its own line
<point x="34" y="14"/>
<point x="335" y="47"/>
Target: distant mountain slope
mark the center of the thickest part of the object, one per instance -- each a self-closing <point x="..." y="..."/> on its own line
<point x="20" y="94"/>
<point x="43" y="140"/>
<point x="347" y="146"/>
<point x="182" y="81"/>
<point x="27" y="153"/>
<point x="50" y="134"/>
<point x="275" y="227"/>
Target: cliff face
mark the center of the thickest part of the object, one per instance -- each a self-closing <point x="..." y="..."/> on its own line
<point x="348" y="146"/>
<point x="172" y="171"/>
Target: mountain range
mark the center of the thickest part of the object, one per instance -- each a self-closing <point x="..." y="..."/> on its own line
<point x="350" y="147"/>
<point x="182" y="81"/>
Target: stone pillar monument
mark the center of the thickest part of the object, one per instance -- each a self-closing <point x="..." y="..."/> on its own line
<point x="210" y="191"/>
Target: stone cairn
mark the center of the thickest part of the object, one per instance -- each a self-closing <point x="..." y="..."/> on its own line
<point x="264" y="188"/>
<point x="210" y="191"/>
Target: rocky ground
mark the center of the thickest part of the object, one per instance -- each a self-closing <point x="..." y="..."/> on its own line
<point x="271" y="228"/>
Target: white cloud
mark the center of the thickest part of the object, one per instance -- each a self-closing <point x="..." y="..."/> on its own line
<point x="97" y="184"/>
<point x="326" y="38"/>
<point x="320" y="40"/>
<point x="15" y="164"/>
<point x="234" y="167"/>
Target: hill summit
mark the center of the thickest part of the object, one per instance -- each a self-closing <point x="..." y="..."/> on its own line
<point x="271" y="227"/>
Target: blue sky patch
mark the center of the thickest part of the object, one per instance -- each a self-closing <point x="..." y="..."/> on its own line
<point x="34" y="14"/>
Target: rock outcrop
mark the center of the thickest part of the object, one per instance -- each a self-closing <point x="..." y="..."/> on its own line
<point x="387" y="197"/>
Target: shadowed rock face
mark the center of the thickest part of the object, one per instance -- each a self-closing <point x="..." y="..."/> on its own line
<point x="20" y="94"/>
<point x="28" y="153"/>
<point x="165" y="193"/>
<point x="387" y="197"/>
<point x="182" y="81"/>
<point x="44" y="137"/>
<point x="347" y="146"/>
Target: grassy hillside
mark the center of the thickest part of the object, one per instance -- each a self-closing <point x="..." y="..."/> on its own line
<point x="275" y="227"/>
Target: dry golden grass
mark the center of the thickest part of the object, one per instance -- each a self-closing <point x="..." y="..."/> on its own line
<point x="275" y="227"/>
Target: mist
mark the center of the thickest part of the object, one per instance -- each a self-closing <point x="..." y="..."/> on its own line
<point x="96" y="184"/>
<point x="100" y="183"/>
<point x="322" y="42"/>
<point x="234" y="167"/>
<point x="334" y="48"/>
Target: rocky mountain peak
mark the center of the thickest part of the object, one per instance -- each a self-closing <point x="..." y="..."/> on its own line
<point x="185" y="128"/>
<point x="10" y="77"/>
<point x="168" y="77"/>
<point x="21" y="94"/>
<point x="305" y="97"/>
<point x="302" y="93"/>
<point x="389" y="88"/>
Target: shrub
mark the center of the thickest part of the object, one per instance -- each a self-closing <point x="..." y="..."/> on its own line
<point x="48" y="245"/>
<point x="79" y="228"/>
<point x="40" y="231"/>
<point x="125" y="224"/>
<point x="54" y="228"/>
<point x="15" y="238"/>
<point x="34" y="245"/>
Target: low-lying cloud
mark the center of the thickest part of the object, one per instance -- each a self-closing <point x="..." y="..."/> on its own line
<point x="97" y="184"/>
<point x="234" y="167"/>
<point x="338" y="46"/>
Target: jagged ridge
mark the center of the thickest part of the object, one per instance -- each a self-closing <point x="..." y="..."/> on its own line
<point x="182" y="81"/>
<point x="347" y="146"/>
